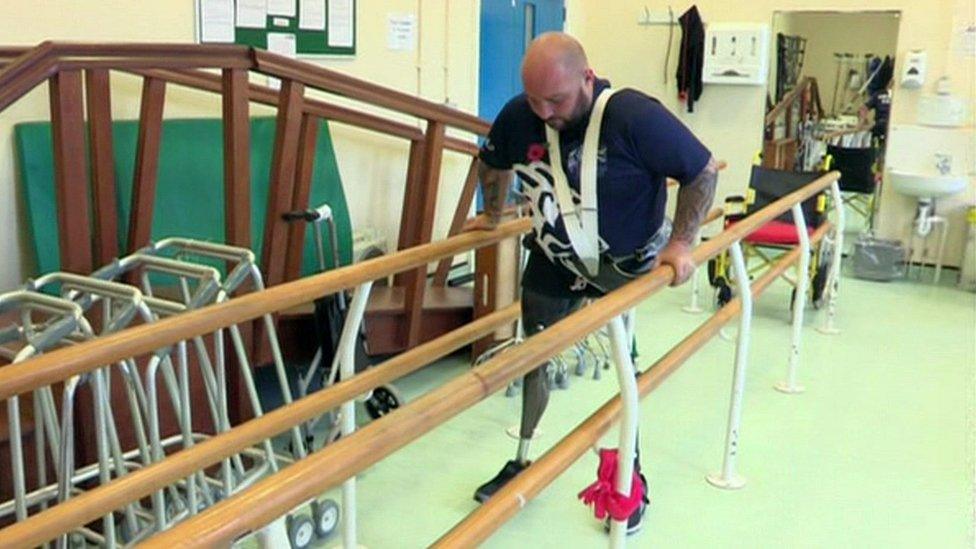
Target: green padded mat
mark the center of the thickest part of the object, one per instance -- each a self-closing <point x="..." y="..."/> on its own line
<point x="190" y="191"/>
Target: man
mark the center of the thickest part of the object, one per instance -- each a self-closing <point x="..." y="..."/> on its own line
<point x="639" y="145"/>
<point x="880" y="103"/>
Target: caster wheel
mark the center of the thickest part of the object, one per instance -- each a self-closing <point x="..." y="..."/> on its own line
<point x="325" y="513"/>
<point x="384" y="400"/>
<point x="309" y="443"/>
<point x="723" y="294"/>
<point x="562" y="380"/>
<point x="301" y="531"/>
<point x="819" y="286"/>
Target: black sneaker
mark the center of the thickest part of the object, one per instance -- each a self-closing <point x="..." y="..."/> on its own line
<point x="636" y="520"/>
<point x="508" y="472"/>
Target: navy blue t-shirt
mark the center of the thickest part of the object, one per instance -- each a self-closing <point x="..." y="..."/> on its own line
<point x="641" y="144"/>
<point x="881" y="103"/>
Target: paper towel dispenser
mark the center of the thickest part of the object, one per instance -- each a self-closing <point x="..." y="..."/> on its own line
<point x="736" y="53"/>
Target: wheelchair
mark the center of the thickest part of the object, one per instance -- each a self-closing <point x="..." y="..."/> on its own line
<point x="762" y="247"/>
<point x="859" y="169"/>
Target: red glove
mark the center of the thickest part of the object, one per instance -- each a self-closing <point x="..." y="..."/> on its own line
<point x="606" y="500"/>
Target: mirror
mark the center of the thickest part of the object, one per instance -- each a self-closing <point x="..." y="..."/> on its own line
<point x="829" y="90"/>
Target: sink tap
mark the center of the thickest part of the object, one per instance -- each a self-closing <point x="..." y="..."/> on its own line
<point x="943" y="163"/>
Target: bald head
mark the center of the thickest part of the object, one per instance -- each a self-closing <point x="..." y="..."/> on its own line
<point x="557" y="79"/>
<point x="553" y="51"/>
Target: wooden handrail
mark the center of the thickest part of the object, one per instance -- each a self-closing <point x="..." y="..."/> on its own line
<point x="327" y="80"/>
<point x="200" y="80"/>
<point x="26" y="72"/>
<point x="61" y="364"/>
<point x="279" y="493"/>
<point x="512" y="497"/>
<point x="20" y="75"/>
<point x="841" y="133"/>
<point x="104" y="499"/>
<point x="787" y="100"/>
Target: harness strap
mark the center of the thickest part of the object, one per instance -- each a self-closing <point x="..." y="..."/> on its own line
<point x="582" y="223"/>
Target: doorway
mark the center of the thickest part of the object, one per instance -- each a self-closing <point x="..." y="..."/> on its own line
<point x="507" y="28"/>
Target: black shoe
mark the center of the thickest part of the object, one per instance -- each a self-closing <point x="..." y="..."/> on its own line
<point x="636" y="520"/>
<point x="508" y="472"/>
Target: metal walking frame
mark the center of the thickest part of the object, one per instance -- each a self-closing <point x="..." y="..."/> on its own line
<point x="63" y="320"/>
<point x="178" y="269"/>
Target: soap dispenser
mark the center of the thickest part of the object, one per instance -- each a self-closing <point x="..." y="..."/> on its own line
<point x="913" y="72"/>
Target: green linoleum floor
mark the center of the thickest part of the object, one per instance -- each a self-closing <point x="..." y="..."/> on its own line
<point x="878" y="452"/>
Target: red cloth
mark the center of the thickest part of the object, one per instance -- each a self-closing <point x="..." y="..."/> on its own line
<point x="604" y="497"/>
<point x="776" y="232"/>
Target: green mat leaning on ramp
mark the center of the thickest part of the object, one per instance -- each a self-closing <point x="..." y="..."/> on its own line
<point x="190" y="191"/>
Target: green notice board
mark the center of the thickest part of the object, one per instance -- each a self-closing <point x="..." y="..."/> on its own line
<point x="307" y="41"/>
<point x="190" y="190"/>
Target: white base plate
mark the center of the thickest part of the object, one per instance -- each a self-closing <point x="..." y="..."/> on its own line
<point x="734" y="483"/>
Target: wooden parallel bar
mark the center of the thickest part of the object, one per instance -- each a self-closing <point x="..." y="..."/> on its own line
<point x="106" y="225"/>
<point x="429" y="177"/>
<point x="275" y="495"/>
<point x="511" y="498"/>
<point x="146" y="173"/>
<point x="282" y="181"/>
<point x="282" y="491"/>
<point x="303" y="188"/>
<point x="49" y="368"/>
<point x="460" y="216"/>
<point x="159" y="474"/>
<point x="237" y="158"/>
<point x="70" y="172"/>
<point x="343" y="84"/>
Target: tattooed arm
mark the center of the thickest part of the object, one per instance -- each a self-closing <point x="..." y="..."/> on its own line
<point x="694" y="200"/>
<point x="494" y="188"/>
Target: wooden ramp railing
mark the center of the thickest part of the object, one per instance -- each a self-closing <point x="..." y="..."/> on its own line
<point x="801" y="104"/>
<point x="71" y="67"/>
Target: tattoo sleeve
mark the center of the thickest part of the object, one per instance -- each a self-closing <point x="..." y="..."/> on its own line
<point x="694" y="200"/>
<point x="494" y="186"/>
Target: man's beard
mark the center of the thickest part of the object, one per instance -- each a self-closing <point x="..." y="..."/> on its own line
<point x="579" y="113"/>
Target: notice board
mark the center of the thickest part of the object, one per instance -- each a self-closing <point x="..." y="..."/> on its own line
<point x="288" y="27"/>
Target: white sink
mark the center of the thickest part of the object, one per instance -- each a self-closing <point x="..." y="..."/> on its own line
<point x="926" y="185"/>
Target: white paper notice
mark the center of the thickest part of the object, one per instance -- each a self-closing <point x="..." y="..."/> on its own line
<point x="311" y="14"/>
<point x="282" y="43"/>
<point x="401" y="31"/>
<point x="341" y="20"/>
<point x="216" y="20"/>
<point x="252" y="14"/>
<point x="281" y="7"/>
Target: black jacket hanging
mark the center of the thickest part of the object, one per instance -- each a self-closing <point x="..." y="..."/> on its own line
<point x="691" y="56"/>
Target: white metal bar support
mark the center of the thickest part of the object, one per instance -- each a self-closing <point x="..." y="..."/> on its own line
<point x="838" y="256"/>
<point x="728" y="478"/>
<point x="347" y="369"/>
<point x="627" y="452"/>
<point x="799" y="303"/>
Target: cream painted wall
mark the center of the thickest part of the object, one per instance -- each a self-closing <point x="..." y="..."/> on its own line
<point x="729" y="118"/>
<point x="441" y="68"/>
<point x="826" y="33"/>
